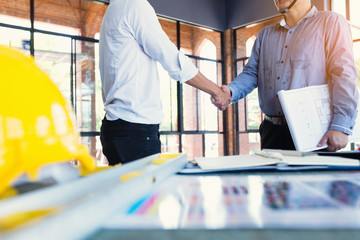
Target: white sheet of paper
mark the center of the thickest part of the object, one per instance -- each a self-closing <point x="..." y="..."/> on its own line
<point x="244" y="161"/>
<point x="308" y="114"/>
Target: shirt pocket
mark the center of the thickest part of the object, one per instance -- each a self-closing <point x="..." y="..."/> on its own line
<point x="300" y="60"/>
<point x="304" y="52"/>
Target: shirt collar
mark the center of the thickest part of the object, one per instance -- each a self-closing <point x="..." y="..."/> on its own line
<point x="311" y="13"/>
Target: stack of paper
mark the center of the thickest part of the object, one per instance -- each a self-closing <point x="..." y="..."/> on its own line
<point x="264" y="158"/>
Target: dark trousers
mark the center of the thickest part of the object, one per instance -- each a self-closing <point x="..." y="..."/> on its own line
<point x="275" y="136"/>
<point x="124" y="141"/>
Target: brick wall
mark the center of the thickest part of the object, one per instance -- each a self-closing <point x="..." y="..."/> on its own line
<point x="81" y="14"/>
<point x="17" y="8"/>
<point x="243" y="34"/>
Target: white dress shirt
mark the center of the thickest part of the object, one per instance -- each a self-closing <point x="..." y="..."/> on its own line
<point x="131" y="42"/>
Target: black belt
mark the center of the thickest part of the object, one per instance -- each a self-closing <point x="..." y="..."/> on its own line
<point x="279" y="120"/>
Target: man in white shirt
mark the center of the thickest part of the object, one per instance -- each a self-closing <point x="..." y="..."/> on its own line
<point x="131" y="43"/>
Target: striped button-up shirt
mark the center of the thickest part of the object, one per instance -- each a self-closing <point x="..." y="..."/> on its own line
<point x="316" y="51"/>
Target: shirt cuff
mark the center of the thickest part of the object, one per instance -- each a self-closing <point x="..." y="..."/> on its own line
<point x="233" y="100"/>
<point x="187" y="68"/>
<point x="342" y="124"/>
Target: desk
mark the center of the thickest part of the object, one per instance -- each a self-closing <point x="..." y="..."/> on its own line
<point x="160" y="204"/>
<point x="244" y="205"/>
<point x="227" y="234"/>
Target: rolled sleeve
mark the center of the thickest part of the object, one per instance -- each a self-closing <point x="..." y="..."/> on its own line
<point x="187" y="69"/>
<point x="343" y="74"/>
<point x="341" y="123"/>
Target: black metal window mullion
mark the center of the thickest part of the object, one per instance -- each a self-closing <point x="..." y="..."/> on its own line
<point x="72" y="62"/>
<point x="203" y="144"/>
<point x="179" y="93"/>
<point x="32" y="19"/>
<point x="73" y="68"/>
<point x="223" y="82"/>
<point x="75" y="77"/>
<point x="237" y="143"/>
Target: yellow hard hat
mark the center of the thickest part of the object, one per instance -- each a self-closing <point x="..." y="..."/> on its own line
<point x="36" y="126"/>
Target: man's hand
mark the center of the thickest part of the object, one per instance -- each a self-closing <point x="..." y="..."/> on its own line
<point x="222" y="100"/>
<point x="336" y="140"/>
<point x="219" y="97"/>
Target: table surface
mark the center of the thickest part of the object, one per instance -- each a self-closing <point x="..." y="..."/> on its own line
<point x="249" y="205"/>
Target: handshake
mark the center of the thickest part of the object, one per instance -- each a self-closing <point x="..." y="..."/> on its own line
<point x="222" y="99"/>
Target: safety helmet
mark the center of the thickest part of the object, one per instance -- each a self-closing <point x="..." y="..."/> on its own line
<point x="36" y="126"/>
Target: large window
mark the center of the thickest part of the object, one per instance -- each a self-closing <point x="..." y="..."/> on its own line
<point x="63" y="38"/>
<point x="249" y="115"/>
<point x="192" y="124"/>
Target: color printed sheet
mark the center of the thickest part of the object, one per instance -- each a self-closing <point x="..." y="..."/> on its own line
<point x="254" y="201"/>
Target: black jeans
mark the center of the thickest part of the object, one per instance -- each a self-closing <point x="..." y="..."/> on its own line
<point x="275" y="136"/>
<point x="124" y="141"/>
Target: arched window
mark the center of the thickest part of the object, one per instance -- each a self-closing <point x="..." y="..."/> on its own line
<point x="249" y="45"/>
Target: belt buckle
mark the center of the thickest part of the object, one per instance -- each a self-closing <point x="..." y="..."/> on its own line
<point x="276" y="120"/>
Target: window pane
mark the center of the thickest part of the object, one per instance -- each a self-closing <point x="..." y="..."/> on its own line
<point x="169" y="143"/>
<point x="168" y="91"/>
<point x="168" y="86"/>
<point x="190" y="108"/>
<point x="17" y="39"/>
<point x="241" y="115"/>
<point x="53" y="55"/>
<point x="253" y="111"/>
<point x="198" y="111"/>
<point x="95" y="148"/>
<point x="192" y="144"/>
<point x="76" y="17"/>
<point x="249" y="142"/>
<point x="208" y="112"/>
<point x="355" y="31"/>
<point x="339" y="6"/>
<point x="250" y="116"/>
<point x="214" y="145"/>
<point x="89" y="104"/>
<point x="354" y="12"/>
<point x="16" y="12"/>
<point x="99" y="104"/>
